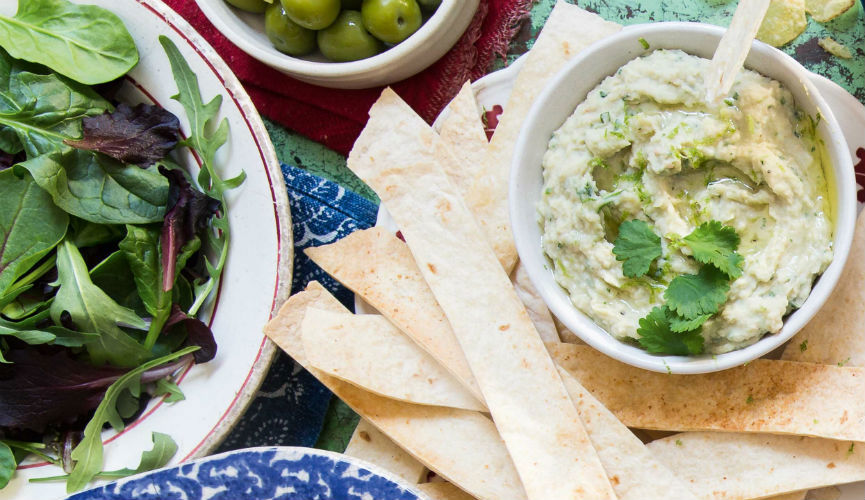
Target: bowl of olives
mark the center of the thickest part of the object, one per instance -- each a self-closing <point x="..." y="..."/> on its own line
<point x="347" y="44"/>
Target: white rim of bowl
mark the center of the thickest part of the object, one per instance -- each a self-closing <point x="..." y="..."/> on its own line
<point x="845" y="221"/>
<point x="331" y="69"/>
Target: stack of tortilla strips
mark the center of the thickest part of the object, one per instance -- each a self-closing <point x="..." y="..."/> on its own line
<point x="462" y="373"/>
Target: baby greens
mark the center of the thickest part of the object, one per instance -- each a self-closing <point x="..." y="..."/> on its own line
<point x="110" y="248"/>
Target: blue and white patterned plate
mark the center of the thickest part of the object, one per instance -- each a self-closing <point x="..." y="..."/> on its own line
<point x="268" y="473"/>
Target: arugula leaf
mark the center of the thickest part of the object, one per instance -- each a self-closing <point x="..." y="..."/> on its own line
<point x="657" y="337"/>
<point x="139" y="135"/>
<point x="88" y="453"/>
<point x="205" y="139"/>
<point x="84" y="42"/>
<point x="38" y="111"/>
<point x="99" y="188"/>
<point x="171" y="390"/>
<point x="30" y="226"/>
<point x="7" y="464"/>
<point x="716" y="244"/>
<point x="638" y="246"/>
<point x="694" y="295"/>
<point x="92" y="310"/>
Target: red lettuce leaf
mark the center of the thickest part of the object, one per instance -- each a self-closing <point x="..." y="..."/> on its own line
<point x="139" y="135"/>
<point x="197" y="333"/>
<point x="188" y="214"/>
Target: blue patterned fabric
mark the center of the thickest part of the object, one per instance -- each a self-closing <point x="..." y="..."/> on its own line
<point x="257" y="474"/>
<point x="290" y="406"/>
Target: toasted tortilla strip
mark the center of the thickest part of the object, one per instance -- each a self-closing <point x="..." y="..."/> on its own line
<point x="779" y="397"/>
<point x="827" y="10"/>
<point x="827" y="493"/>
<point x="379" y="267"/>
<point x="634" y="473"/>
<point x="368" y="443"/>
<point x="784" y="21"/>
<point x="568" y="30"/>
<point x="472" y="455"/>
<point x="462" y="133"/>
<point x="535" y="305"/>
<point x="443" y="491"/>
<point x="798" y="495"/>
<point x="837" y="333"/>
<point x="371" y="353"/>
<point x="550" y="448"/>
<point x="727" y="466"/>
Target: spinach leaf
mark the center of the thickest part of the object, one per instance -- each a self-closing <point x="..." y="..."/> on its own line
<point x="115" y="278"/>
<point x="100" y="189"/>
<point x="37" y="111"/>
<point x="88" y="453"/>
<point x="87" y="234"/>
<point x="7" y="464"/>
<point x="92" y="310"/>
<point x="142" y="251"/>
<point x="30" y="226"/>
<point x="84" y="42"/>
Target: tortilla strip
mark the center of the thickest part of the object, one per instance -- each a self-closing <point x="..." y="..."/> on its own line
<point x="368" y="443"/>
<point x="836" y="334"/>
<point x="827" y="493"/>
<point x="473" y="456"/>
<point x="379" y="267"/>
<point x="779" y="397"/>
<point x="462" y="133"/>
<point x="729" y="466"/>
<point x="371" y="353"/>
<point x="535" y="305"/>
<point x="550" y="448"/>
<point x="443" y="491"/>
<point x="634" y="473"/>
<point x="568" y="30"/>
<point x="798" y="495"/>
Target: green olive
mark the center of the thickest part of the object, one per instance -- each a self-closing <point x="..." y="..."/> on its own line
<point x="256" y="6"/>
<point x="429" y="5"/>
<point x="347" y="39"/>
<point x="351" y="4"/>
<point x="312" y="14"/>
<point x="391" y="21"/>
<point x="285" y="34"/>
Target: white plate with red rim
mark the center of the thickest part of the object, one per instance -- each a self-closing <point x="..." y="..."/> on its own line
<point x="257" y="276"/>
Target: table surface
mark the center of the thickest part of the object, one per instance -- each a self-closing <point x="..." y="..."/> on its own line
<point x="848" y="29"/>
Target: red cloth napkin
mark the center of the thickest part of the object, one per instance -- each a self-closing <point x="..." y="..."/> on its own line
<point x="336" y="117"/>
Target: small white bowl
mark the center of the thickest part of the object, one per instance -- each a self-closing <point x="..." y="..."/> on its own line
<point x="558" y="101"/>
<point x="429" y="43"/>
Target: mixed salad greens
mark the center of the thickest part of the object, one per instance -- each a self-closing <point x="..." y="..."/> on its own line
<point x="108" y="248"/>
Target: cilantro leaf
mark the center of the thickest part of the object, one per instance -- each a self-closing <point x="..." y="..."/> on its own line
<point x="637" y="246"/>
<point x="656" y="336"/>
<point x="694" y="295"/>
<point x="680" y="324"/>
<point x="716" y="244"/>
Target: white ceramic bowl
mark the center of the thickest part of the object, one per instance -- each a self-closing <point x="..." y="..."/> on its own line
<point x="437" y="35"/>
<point x="558" y="101"/>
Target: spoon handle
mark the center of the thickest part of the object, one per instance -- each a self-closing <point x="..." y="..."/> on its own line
<point x="733" y="49"/>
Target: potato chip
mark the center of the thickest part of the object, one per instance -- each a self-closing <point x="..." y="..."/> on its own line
<point x="368" y="443"/>
<point x="835" y="48"/>
<point x="507" y="357"/>
<point x="784" y="21"/>
<point x="443" y="491"/>
<point x="473" y="455"/>
<point x="827" y="10"/>
<point x="723" y="465"/>
<point x="780" y="397"/>
<point x="836" y="334"/>
<point x="371" y="353"/>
